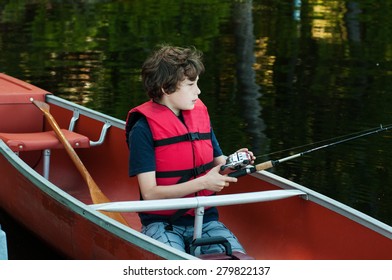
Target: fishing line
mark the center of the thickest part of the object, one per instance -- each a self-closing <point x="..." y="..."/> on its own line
<point x="271" y="163"/>
<point x="350" y="135"/>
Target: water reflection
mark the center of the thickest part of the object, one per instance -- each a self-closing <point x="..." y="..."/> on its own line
<point x="352" y="22"/>
<point x="297" y="10"/>
<point x="248" y="89"/>
<point x="75" y="72"/>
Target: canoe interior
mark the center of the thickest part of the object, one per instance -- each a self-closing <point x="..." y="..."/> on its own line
<point x="292" y="228"/>
<point x="295" y="228"/>
<point x="107" y="164"/>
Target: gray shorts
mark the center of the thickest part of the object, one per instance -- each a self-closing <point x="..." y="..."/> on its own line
<point x="181" y="236"/>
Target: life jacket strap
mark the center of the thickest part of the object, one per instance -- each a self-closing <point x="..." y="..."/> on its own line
<point x="185" y="174"/>
<point x="192" y="136"/>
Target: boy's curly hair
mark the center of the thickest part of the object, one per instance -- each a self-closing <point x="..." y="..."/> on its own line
<point x="168" y="66"/>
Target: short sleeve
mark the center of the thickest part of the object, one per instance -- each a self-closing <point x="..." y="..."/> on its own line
<point x="141" y="149"/>
<point x="215" y="144"/>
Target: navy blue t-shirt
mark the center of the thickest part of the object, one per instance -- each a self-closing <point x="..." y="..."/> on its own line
<point x="142" y="159"/>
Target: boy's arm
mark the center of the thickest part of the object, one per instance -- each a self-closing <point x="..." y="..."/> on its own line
<point x="213" y="181"/>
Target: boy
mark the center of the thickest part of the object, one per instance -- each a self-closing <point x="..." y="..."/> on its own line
<point x="173" y="150"/>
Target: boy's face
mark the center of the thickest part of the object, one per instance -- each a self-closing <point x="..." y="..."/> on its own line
<point x="185" y="97"/>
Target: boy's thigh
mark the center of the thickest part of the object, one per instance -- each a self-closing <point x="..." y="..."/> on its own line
<point x="157" y="231"/>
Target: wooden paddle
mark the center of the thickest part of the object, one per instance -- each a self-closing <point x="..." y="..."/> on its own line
<point x="96" y="194"/>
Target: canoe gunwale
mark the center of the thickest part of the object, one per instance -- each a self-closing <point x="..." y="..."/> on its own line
<point x="105" y="119"/>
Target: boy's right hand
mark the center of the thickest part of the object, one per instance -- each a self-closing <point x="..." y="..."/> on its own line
<point x="214" y="181"/>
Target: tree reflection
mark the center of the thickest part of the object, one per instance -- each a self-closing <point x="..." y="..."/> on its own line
<point x="248" y="90"/>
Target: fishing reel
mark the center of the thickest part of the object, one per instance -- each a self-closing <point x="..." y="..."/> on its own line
<point x="237" y="161"/>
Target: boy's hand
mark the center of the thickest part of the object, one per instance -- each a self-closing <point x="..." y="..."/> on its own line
<point x="214" y="181"/>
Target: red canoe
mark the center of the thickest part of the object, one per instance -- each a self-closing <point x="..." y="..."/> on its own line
<point x="274" y="218"/>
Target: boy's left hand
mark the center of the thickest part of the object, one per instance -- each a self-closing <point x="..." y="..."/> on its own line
<point x="253" y="158"/>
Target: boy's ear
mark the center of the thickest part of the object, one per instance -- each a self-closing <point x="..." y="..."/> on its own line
<point x="163" y="91"/>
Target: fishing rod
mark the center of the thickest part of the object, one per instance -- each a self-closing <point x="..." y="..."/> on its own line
<point x="271" y="163"/>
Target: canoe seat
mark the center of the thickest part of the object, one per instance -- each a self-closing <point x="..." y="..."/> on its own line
<point x="34" y="141"/>
<point x="45" y="141"/>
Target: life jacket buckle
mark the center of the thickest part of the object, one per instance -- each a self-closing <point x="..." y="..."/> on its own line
<point x="192" y="136"/>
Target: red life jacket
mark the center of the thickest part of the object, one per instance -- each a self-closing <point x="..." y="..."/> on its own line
<point x="183" y="151"/>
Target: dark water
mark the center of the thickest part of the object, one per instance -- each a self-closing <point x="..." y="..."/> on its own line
<point x="279" y="74"/>
<point x="22" y="244"/>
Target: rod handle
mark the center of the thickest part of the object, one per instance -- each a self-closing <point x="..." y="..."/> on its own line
<point x="252" y="169"/>
<point x="266" y="165"/>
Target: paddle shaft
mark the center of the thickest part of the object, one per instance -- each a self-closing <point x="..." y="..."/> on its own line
<point x="271" y="163"/>
<point x="96" y="194"/>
